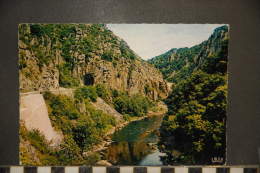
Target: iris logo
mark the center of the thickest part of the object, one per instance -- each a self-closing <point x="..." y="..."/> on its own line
<point x="217" y="159"/>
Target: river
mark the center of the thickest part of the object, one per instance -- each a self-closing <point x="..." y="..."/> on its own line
<point x="136" y="144"/>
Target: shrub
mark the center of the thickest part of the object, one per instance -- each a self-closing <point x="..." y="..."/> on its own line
<point x="195" y="123"/>
<point x="103" y="92"/>
<point x="69" y="152"/>
<point x="43" y="153"/>
<point x="36" y="30"/>
<point x="89" y="127"/>
<point x="66" y="79"/>
<point x="86" y="92"/>
<point x="38" y="141"/>
<point x="62" y="105"/>
<point x="108" y="56"/>
<point x="125" y="51"/>
<point x="136" y="105"/>
<point x="92" y="159"/>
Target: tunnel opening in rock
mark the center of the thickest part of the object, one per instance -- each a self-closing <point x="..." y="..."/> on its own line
<point x="89" y="79"/>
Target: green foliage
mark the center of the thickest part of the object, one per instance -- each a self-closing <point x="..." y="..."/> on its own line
<point x="210" y="56"/>
<point x="22" y="61"/>
<point x="108" y="56"/>
<point x="63" y="44"/>
<point x="217" y="62"/>
<point x="62" y="37"/>
<point x="40" y="30"/>
<point x="196" y="119"/>
<point x="179" y="61"/>
<point x="136" y="105"/>
<point x="92" y="158"/>
<point x="86" y="92"/>
<point x="62" y="105"/>
<point x="43" y="151"/>
<point x="104" y="92"/>
<point x="81" y="124"/>
<point x="90" y="130"/>
<point x="126" y="117"/>
<point x="87" y="45"/>
<point x="69" y="152"/>
<point x="42" y="57"/>
<point x="38" y="141"/>
<point x="82" y="130"/>
<point x="126" y="51"/>
<point x="66" y="79"/>
<point x="38" y="47"/>
<point x="37" y="30"/>
<point x="67" y="48"/>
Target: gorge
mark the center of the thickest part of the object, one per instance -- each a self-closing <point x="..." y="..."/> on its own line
<point x="102" y="104"/>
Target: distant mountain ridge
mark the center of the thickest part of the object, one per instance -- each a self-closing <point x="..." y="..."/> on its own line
<point x="177" y="64"/>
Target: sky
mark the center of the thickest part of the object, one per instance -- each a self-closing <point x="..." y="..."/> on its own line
<point x="149" y="40"/>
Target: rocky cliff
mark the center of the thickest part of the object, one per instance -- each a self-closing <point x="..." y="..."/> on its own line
<point x="178" y="64"/>
<point x="71" y="55"/>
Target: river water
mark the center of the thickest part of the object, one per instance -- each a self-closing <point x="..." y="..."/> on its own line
<point x="136" y="144"/>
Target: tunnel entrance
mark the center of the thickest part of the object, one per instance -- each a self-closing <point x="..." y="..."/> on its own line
<point x="89" y="79"/>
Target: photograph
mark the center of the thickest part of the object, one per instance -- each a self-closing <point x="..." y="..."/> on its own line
<point x="122" y="94"/>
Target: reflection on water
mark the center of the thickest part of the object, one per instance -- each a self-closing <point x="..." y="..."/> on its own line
<point x="152" y="159"/>
<point x="135" y="144"/>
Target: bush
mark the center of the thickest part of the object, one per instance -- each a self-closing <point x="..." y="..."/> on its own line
<point x="103" y="92"/>
<point x="87" y="92"/>
<point x="36" y="30"/>
<point x="108" y="56"/>
<point x="195" y="123"/>
<point x="38" y="141"/>
<point x="69" y="152"/>
<point x="136" y="105"/>
<point x="43" y="153"/>
<point x="92" y="159"/>
<point x="62" y="105"/>
<point x="81" y="131"/>
<point x="90" y="129"/>
<point x="66" y="79"/>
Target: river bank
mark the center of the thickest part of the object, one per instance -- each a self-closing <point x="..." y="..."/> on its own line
<point x="107" y="138"/>
<point x="135" y="144"/>
<point x="160" y="110"/>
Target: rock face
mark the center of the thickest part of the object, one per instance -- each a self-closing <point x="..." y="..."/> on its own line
<point x="178" y="63"/>
<point x="34" y="114"/>
<point x="53" y="56"/>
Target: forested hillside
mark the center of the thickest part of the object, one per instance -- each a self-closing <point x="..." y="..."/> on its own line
<point x="178" y="64"/>
<point x="193" y="131"/>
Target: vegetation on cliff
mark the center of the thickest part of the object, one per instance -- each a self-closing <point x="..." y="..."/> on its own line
<point x="82" y="125"/>
<point x="94" y="62"/>
<point x="74" y="55"/>
<point x="178" y="64"/>
<point x="135" y="105"/>
<point x="97" y="64"/>
<point x="196" y="118"/>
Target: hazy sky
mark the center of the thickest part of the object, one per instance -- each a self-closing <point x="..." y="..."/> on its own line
<point x="149" y="40"/>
